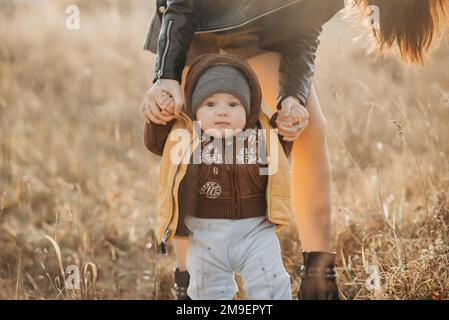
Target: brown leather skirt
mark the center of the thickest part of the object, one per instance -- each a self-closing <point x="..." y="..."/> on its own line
<point x="244" y="42"/>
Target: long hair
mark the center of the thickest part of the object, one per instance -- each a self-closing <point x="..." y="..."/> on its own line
<point x="411" y="24"/>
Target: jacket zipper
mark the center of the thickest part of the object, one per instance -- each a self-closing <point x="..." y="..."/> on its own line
<point x="231" y="171"/>
<point x="236" y="186"/>
<point x="162" y="244"/>
<point x="234" y="200"/>
<point x="249" y="21"/>
<point x="234" y="180"/>
<point x="164" y="55"/>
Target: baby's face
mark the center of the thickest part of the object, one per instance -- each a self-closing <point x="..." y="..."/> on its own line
<point x="221" y="115"/>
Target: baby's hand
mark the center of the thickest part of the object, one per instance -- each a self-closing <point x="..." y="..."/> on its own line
<point x="293" y="119"/>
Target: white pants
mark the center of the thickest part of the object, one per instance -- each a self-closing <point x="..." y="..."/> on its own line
<point x="249" y="247"/>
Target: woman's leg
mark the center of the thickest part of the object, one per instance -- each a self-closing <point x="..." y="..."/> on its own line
<point x="311" y="180"/>
<point x="181" y="246"/>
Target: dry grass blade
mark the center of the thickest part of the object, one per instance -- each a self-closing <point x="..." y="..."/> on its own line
<point x="58" y="255"/>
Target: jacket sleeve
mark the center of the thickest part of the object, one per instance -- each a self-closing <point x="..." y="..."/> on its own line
<point x="175" y="36"/>
<point x="297" y="66"/>
<point x="155" y="136"/>
<point x="286" y="145"/>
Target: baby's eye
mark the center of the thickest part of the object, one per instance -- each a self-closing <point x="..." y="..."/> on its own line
<point x="233" y="104"/>
<point x="210" y="104"/>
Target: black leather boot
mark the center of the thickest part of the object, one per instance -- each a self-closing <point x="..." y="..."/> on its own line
<point x="182" y="279"/>
<point x="318" y="277"/>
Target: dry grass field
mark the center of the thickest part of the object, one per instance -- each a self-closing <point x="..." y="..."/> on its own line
<point x="77" y="186"/>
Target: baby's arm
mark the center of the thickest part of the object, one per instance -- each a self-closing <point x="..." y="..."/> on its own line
<point x="286" y="145"/>
<point x="155" y="135"/>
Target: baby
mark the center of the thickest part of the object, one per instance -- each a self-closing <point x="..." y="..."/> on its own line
<point x="223" y="204"/>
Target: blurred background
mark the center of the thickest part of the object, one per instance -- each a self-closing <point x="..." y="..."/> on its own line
<point x="77" y="186"/>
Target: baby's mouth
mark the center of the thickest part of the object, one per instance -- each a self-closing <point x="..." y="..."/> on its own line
<point x="222" y="123"/>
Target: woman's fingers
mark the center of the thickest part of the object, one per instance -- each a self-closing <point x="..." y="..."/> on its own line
<point x="167" y="105"/>
<point x="173" y="88"/>
<point x="149" y="107"/>
<point x="146" y="110"/>
<point x="165" y="113"/>
<point x="168" y="115"/>
<point x="300" y="119"/>
<point x="285" y="129"/>
<point x="299" y="114"/>
<point x="301" y="125"/>
<point x="290" y="139"/>
<point x="158" y="98"/>
<point x="162" y="115"/>
<point x="289" y="132"/>
<point x="286" y="135"/>
<point x="156" y="101"/>
<point x="164" y="100"/>
<point x="158" y="114"/>
<point x="171" y="106"/>
<point x="285" y="112"/>
<point x="300" y="128"/>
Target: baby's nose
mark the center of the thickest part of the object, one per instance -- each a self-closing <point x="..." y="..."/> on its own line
<point x="222" y="112"/>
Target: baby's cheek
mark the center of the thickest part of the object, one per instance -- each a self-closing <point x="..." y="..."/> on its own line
<point x="240" y="122"/>
<point x="206" y="125"/>
<point x="203" y="119"/>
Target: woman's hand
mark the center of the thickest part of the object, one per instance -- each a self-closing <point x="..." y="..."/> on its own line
<point x="163" y="102"/>
<point x="293" y="119"/>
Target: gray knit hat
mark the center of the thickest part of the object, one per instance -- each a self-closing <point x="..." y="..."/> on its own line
<point x="220" y="78"/>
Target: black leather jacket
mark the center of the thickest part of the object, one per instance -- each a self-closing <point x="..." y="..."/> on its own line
<point x="290" y="27"/>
